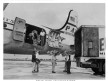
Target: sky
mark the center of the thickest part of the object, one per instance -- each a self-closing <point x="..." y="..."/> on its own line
<point x="54" y="15"/>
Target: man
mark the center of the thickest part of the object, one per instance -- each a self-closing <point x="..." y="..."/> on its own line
<point x="34" y="37"/>
<point x="42" y="36"/>
<point x="35" y="61"/>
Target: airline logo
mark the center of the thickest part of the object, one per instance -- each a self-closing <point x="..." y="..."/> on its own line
<point x="71" y="24"/>
<point x="69" y="29"/>
<point x="73" y="18"/>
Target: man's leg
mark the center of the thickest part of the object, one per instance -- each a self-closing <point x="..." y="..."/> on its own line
<point x="33" y="67"/>
<point x="37" y="67"/>
<point x="53" y="67"/>
<point x="68" y="67"/>
<point x="65" y="67"/>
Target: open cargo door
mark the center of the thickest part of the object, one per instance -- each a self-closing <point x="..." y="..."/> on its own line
<point x="19" y="29"/>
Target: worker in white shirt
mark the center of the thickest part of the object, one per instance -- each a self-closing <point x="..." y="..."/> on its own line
<point x="42" y="37"/>
<point x="53" y="63"/>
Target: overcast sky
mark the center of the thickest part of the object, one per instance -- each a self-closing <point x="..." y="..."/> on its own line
<point x="54" y="15"/>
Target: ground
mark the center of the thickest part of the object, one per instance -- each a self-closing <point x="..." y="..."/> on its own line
<point x="23" y="70"/>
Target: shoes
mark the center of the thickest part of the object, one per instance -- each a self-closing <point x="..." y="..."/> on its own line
<point x="68" y="72"/>
<point x="34" y="71"/>
<point x="64" y="71"/>
<point x="53" y="72"/>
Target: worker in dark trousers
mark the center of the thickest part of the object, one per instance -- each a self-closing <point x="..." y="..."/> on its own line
<point x="65" y="67"/>
<point x="68" y="65"/>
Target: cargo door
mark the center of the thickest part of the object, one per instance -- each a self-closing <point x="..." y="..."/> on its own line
<point x="90" y="42"/>
<point x="19" y="29"/>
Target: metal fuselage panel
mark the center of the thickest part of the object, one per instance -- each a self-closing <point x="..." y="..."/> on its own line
<point x="15" y="47"/>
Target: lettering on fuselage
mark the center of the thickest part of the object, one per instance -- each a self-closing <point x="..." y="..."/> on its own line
<point x="6" y="20"/>
<point x="70" y="29"/>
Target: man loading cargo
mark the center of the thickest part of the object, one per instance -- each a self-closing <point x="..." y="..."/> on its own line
<point x="34" y="37"/>
<point x="42" y="37"/>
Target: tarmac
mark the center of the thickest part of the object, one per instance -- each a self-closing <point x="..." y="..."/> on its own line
<point x="22" y="70"/>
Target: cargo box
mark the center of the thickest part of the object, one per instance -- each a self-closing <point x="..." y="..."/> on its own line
<point x="87" y="41"/>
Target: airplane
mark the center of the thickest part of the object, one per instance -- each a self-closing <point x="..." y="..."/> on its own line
<point x="17" y="39"/>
